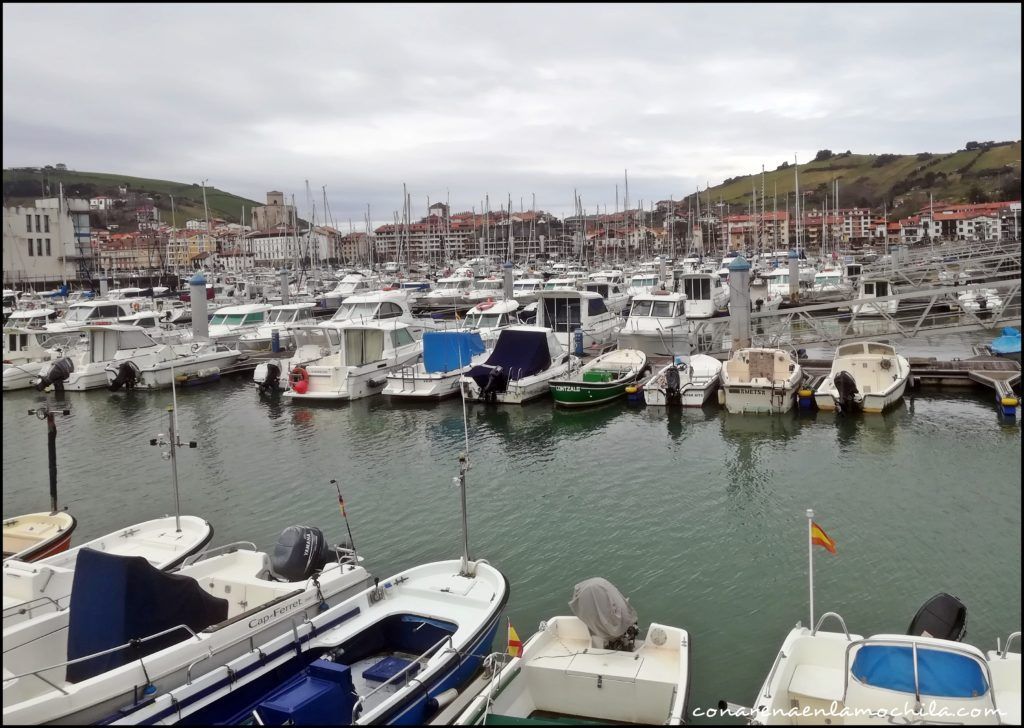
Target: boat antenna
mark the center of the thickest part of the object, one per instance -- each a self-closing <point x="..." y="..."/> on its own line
<point x="341" y="507"/>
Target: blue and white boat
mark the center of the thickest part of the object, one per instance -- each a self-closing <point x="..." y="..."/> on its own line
<point x="1007" y="345"/>
<point x="394" y="653"/>
<point x="447" y="355"/>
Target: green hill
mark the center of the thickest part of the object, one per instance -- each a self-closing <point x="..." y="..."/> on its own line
<point x="23" y="185"/>
<point x="903" y="183"/>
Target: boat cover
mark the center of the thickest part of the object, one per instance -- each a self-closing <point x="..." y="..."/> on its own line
<point x="116" y="599"/>
<point x="1008" y="343"/>
<point x="941" y="674"/>
<point x="448" y="351"/>
<point x="603" y="608"/>
<point x="518" y="353"/>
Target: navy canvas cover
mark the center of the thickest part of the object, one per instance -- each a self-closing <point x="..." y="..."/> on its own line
<point x="518" y="353"/>
<point x="448" y="351"/>
<point x="116" y="599"/>
<point x="940" y="674"/>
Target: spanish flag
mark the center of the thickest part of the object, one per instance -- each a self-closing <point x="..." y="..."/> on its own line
<point x="515" y="645"/>
<point x="820" y="538"/>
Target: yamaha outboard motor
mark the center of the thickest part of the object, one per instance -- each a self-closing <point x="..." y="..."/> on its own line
<point x="268" y="377"/>
<point x="127" y="376"/>
<point x="943" y="617"/>
<point x="847" y="387"/>
<point x="673" y="394"/>
<point x="57" y="373"/>
<point x="607" y="613"/>
<point x="300" y="552"/>
<point x="496" y="382"/>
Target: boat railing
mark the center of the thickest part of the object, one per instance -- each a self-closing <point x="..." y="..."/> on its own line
<point x="27" y="607"/>
<point x="403" y="673"/>
<point x="229" y="548"/>
<point x="953" y="648"/>
<point x="1009" y="641"/>
<point x="839" y="619"/>
<point x="771" y="674"/>
<point x="133" y="643"/>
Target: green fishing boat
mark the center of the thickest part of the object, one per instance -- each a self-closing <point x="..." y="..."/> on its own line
<point x="601" y="380"/>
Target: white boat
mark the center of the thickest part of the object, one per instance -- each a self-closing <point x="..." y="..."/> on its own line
<point x="278" y="319"/>
<point x="777" y="284"/>
<point x="90" y="313"/>
<point x="31" y="318"/>
<point x="26" y="351"/>
<point x="449" y="291"/>
<point x="706" y="295"/>
<point x="687" y="381"/>
<point x="561" y="283"/>
<point x="132" y="634"/>
<point x="614" y="294"/>
<point x="656" y="325"/>
<point x="228" y="323"/>
<point x="927" y="676"/>
<point x="870" y="287"/>
<point x="353" y="284"/>
<point x="831" y="281"/>
<point x="356" y="364"/>
<point x="590" y="667"/>
<point x="875" y="378"/>
<point x="645" y="282"/>
<point x="392" y="305"/>
<point x="485" y="289"/>
<point x="565" y="311"/>
<point x="489" y="318"/>
<point x="524" y="290"/>
<point x="447" y="355"/>
<point x="36" y="536"/>
<point x="760" y="380"/>
<point x="524" y="360"/>
<point x="33" y="590"/>
<point x="980" y="300"/>
<point x="157" y="329"/>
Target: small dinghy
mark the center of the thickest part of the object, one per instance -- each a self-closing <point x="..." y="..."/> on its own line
<point x="865" y="376"/>
<point x="36" y="536"/>
<point x="590" y="667"/>
<point x="601" y="380"/>
<point x="689" y="381"/>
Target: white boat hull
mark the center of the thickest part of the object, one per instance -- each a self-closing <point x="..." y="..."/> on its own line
<point x="340" y="383"/>
<point x="21" y="376"/>
<point x="522" y="390"/>
<point x="696" y="388"/>
<point x="422" y="385"/>
<point x="759" y="399"/>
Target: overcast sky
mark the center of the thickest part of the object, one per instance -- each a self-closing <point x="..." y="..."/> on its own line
<point x="500" y="100"/>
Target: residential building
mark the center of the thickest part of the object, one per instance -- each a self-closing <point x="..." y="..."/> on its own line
<point x="47" y="242"/>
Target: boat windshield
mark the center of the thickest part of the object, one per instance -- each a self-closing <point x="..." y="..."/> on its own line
<point x="659" y="309"/>
<point x="524" y="287"/>
<point x="643" y="282"/>
<point x="227" y="319"/>
<point x="489" y="286"/>
<point x="483" y="320"/>
<point x="324" y="338"/>
<point x="356" y="311"/>
<point x="78" y="313"/>
<point x="280" y="316"/>
<point x="452" y="285"/>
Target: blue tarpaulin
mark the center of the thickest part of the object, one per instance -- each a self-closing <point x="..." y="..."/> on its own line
<point x="941" y="674"/>
<point x="1008" y="343"/>
<point x="518" y="354"/>
<point x="117" y="599"/>
<point x="448" y="351"/>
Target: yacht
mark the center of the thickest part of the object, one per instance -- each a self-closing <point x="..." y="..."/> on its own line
<point x="487" y="289"/>
<point x="132" y="634"/>
<point x="228" y="323"/>
<point x="353" y="284"/>
<point x="614" y="294"/>
<point x="927" y="676"/>
<point x="686" y="381"/>
<point x="706" y="295"/>
<point x="354" y="363"/>
<point x="525" y="290"/>
<point x="565" y="311"/>
<point x="26" y="351"/>
<point x="656" y="325"/>
<point x="31" y="318"/>
<point x="448" y="292"/>
<point x="489" y="318"/>
<point x="383" y="306"/>
<point x="591" y="667"/>
<point x="760" y="380"/>
<point x="641" y="283"/>
<point x="870" y="287"/>
<point x="90" y="313"/>
<point x="278" y="319"/>
<point x="447" y="355"/>
<point x="867" y="376"/>
<point x="519" y="367"/>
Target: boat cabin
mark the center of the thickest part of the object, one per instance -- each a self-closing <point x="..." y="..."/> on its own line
<point x="91" y="313"/>
<point x="33" y="318"/>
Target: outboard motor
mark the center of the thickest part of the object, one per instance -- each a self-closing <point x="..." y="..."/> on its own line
<point x="673" y="395"/>
<point x="607" y="613"/>
<point x="494" y="384"/>
<point x="847" y="387"/>
<point x="267" y="377"/>
<point x="56" y="374"/>
<point x="300" y="552"/>
<point x="943" y="617"/>
<point x="127" y="375"/>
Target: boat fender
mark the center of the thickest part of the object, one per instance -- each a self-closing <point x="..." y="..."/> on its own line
<point x="442" y="700"/>
<point x="299" y="380"/>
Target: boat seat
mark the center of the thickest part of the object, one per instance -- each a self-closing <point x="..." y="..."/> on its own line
<point x="818" y="683"/>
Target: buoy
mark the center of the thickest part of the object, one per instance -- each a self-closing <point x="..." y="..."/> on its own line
<point x="631" y="389"/>
<point x="300" y="387"/>
<point x="1009" y="406"/>
<point x="806" y="393"/>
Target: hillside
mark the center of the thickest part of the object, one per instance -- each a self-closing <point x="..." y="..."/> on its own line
<point x="25" y="185"/>
<point x="902" y="183"/>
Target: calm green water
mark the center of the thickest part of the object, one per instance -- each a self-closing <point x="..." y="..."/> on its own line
<point x="696" y="516"/>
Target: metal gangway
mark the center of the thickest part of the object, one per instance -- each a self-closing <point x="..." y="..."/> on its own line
<point x="930" y="312"/>
<point x="953" y="264"/>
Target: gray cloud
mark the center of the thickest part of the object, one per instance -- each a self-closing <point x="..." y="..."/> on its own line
<point x="498" y="100"/>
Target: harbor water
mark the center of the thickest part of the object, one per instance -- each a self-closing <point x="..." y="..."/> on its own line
<point x="698" y="516"/>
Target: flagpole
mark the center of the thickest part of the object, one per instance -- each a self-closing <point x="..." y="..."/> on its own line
<point x="810" y="564"/>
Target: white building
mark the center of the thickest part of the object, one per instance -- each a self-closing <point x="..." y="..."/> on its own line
<point x="101" y="202"/>
<point x="49" y="242"/>
<point x="285" y="247"/>
<point x="195" y="225"/>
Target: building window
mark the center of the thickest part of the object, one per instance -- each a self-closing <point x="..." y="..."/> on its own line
<point x="31" y="250"/>
<point x="37" y="223"/>
<point x="46" y="223"/>
<point x="28" y="223"/>
<point x="39" y="247"/>
<point x="48" y="246"/>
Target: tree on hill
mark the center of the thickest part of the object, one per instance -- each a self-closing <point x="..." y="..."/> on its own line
<point x="823" y="155"/>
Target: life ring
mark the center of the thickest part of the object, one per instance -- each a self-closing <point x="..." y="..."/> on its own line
<point x="298" y="374"/>
<point x="136" y="307"/>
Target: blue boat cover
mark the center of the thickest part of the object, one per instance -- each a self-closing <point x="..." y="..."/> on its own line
<point x="518" y="353"/>
<point x="448" y="351"/>
<point x="940" y="674"/>
<point x="117" y="599"/>
<point x="1008" y="343"/>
